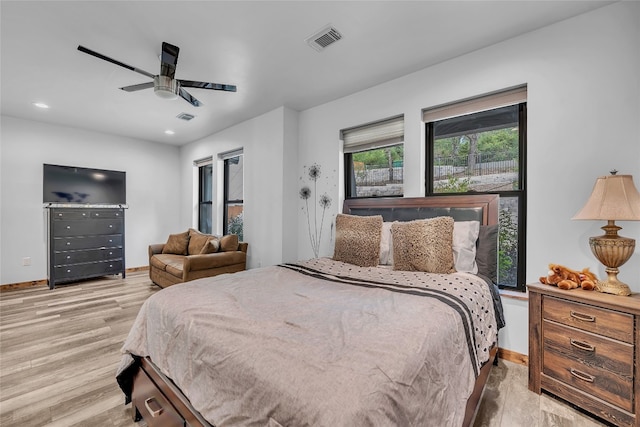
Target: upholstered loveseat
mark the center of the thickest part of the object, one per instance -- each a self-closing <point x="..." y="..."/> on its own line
<point x="193" y="255"/>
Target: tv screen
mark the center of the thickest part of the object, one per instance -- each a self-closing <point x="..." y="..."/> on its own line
<point x="70" y="184"/>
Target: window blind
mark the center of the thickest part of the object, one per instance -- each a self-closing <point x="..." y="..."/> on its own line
<point x="490" y="101"/>
<point x="231" y="154"/>
<point x="373" y="135"/>
<point x="203" y="162"/>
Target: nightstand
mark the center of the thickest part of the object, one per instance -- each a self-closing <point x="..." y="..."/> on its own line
<point x="583" y="348"/>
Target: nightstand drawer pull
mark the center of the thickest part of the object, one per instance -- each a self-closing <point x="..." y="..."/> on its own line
<point x="582" y="376"/>
<point x="582" y="345"/>
<point x="148" y="406"/>
<point x="583" y="317"/>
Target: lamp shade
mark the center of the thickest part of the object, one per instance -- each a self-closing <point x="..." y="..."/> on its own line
<point x="614" y="197"/>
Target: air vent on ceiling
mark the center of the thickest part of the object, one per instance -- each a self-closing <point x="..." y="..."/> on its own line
<point x="323" y="38"/>
<point x="185" y="116"/>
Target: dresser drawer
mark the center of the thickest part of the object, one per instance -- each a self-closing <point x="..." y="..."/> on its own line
<point x="64" y="228"/>
<point x="91" y="242"/>
<point x="590" y="349"/>
<point x="74" y="271"/>
<point x="90" y="255"/>
<point x="152" y="405"/>
<point x="614" y="389"/>
<point x="68" y="214"/>
<point x="612" y="324"/>
<point x="107" y="213"/>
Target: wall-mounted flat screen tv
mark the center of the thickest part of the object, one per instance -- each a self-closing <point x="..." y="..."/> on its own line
<point x="71" y="184"/>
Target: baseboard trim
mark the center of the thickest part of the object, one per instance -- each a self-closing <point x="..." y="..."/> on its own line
<point x="513" y="356"/>
<point x="45" y="282"/>
<point x="22" y="285"/>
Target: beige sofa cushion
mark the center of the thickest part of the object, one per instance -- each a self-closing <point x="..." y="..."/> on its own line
<point x="212" y="246"/>
<point x="197" y="241"/>
<point x="168" y="262"/>
<point x="229" y="242"/>
<point x="177" y="244"/>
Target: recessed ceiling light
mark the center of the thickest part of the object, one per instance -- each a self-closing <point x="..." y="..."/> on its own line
<point x="40" y="105"/>
<point x="169" y="132"/>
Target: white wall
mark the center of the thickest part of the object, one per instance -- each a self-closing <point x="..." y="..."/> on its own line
<point x="152" y="189"/>
<point x="583" y="78"/>
<point x="268" y="212"/>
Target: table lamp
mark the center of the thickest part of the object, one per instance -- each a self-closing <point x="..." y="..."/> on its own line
<point x="614" y="197"/>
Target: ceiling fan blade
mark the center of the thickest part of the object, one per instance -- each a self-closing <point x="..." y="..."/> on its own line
<point x="113" y="61"/>
<point x="205" y="85"/>
<point x="140" y="86"/>
<point x="189" y="98"/>
<point x="169" y="59"/>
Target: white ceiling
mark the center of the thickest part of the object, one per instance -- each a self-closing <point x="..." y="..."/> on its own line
<point x="258" y="46"/>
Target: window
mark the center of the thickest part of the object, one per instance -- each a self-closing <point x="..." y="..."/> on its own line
<point x="233" y="195"/>
<point x="205" y="192"/>
<point x="479" y="145"/>
<point x="374" y="159"/>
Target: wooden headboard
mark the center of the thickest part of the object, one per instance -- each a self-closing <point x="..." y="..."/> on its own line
<point x="467" y="207"/>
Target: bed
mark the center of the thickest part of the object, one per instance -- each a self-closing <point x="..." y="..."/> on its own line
<point x="326" y="341"/>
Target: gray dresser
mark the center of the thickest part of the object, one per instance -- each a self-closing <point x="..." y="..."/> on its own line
<point x="85" y="242"/>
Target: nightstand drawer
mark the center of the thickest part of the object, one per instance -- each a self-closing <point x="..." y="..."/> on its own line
<point x="612" y="324"/>
<point x="589" y="349"/>
<point x="615" y="389"/>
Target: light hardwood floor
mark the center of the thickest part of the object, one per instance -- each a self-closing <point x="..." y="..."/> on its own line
<point x="59" y="351"/>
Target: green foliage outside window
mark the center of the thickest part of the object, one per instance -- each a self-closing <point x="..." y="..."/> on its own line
<point x="497" y="145"/>
<point x="235" y="226"/>
<point x="508" y="247"/>
<point x="380" y="156"/>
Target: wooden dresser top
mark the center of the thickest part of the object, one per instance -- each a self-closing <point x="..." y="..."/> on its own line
<point x="629" y="304"/>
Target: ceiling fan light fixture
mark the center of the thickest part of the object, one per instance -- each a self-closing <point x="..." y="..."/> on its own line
<point x="165" y="87"/>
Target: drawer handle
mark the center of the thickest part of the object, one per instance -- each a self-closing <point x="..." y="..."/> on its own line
<point x="148" y="406"/>
<point x="582" y="345"/>
<point x="583" y="317"/>
<point x="582" y="376"/>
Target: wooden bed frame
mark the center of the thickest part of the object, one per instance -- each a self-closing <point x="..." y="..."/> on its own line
<point x="161" y="403"/>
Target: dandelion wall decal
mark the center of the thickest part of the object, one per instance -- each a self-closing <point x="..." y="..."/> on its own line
<point x="315" y="232"/>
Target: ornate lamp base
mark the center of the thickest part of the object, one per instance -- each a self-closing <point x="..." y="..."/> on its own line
<point x="615" y="288"/>
<point x="612" y="251"/>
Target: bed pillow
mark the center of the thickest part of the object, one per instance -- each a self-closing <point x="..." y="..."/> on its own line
<point x="177" y="244"/>
<point x="358" y="239"/>
<point x="197" y="240"/>
<point x="465" y="236"/>
<point x="211" y="246"/>
<point x="386" y="248"/>
<point x="487" y="252"/>
<point x="423" y="245"/>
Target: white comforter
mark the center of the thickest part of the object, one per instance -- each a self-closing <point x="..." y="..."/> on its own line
<point x="320" y="343"/>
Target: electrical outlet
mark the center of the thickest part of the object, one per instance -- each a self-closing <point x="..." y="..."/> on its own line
<point x="26" y="261"/>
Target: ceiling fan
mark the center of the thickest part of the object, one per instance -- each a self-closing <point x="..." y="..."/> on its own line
<point x="164" y="84"/>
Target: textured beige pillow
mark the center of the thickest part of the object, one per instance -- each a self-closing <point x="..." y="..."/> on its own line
<point x="197" y="240"/>
<point x="423" y="245"/>
<point x="358" y="239"/>
<point x="177" y="244"/>
<point x="229" y="242"/>
<point x="211" y="246"/>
